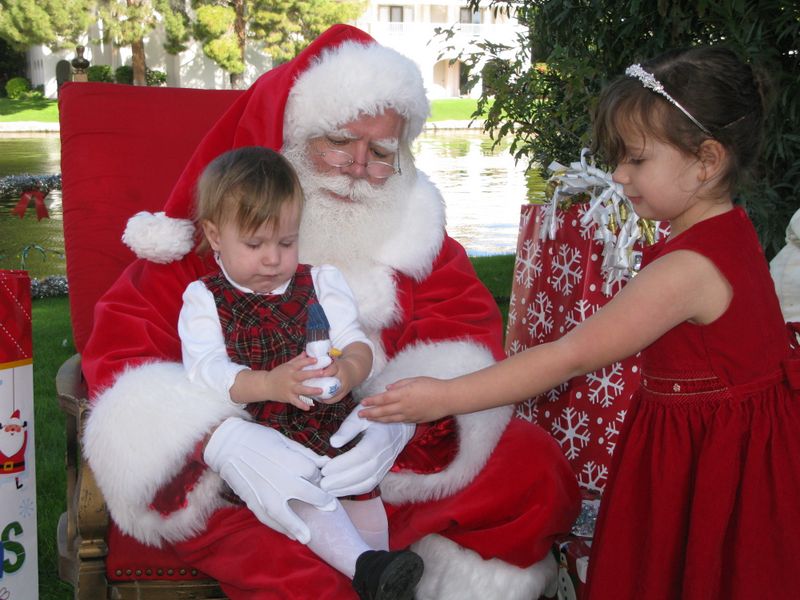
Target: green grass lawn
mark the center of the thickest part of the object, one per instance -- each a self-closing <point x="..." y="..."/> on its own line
<point x="52" y="345"/>
<point x="453" y="109"/>
<point x="46" y="111"/>
<point x="39" y="110"/>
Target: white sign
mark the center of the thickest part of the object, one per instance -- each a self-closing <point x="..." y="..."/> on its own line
<point x="19" y="579"/>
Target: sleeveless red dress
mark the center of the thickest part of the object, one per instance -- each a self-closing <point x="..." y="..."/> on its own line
<point x="704" y="496"/>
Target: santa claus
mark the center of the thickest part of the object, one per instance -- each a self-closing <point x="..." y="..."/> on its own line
<point x="13" y="441"/>
<point x="480" y="497"/>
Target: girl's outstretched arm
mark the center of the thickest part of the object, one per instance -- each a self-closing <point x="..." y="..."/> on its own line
<point x="680" y="286"/>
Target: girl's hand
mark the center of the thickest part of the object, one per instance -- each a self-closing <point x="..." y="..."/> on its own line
<point x="284" y="383"/>
<point x="335" y="370"/>
<point x="350" y="366"/>
<point x="415" y="400"/>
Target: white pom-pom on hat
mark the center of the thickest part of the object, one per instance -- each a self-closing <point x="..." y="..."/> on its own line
<point x="159" y="238"/>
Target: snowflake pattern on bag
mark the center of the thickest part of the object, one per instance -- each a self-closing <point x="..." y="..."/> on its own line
<point x="558" y="284"/>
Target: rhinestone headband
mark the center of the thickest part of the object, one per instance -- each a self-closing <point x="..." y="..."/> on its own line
<point x="650" y="82"/>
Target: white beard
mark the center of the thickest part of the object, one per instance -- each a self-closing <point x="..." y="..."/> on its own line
<point x="11" y="443"/>
<point x="343" y="233"/>
<point x="351" y="235"/>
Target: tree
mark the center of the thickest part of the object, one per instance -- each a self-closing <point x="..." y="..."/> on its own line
<point x="284" y="27"/>
<point x="12" y="64"/>
<point x="127" y="22"/>
<point x="543" y="97"/>
<point x="287" y="26"/>
<point x="55" y="23"/>
<point x="221" y="28"/>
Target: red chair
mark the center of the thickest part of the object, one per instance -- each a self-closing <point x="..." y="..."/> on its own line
<point x="122" y="149"/>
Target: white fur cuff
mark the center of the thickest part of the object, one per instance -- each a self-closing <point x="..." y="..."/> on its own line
<point x="478" y="433"/>
<point x="138" y="436"/>
<point x="456" y="573"/>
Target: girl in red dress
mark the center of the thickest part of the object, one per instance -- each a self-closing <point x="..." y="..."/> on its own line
<point x="702" y="500"/>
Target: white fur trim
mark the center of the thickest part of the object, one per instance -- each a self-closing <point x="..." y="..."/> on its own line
<point x="159" y="238"/>
<point x="409" y="244"/>
<point x="138" y="435"/>
<point x="456" y="573"/>
<point x="334" y="91"/>
<point x="418" y="233"/>
<point x="478" y="433"/>
<point x="785" y="270"/>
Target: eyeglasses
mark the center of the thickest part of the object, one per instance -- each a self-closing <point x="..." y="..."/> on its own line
<point x="339" y="158"/>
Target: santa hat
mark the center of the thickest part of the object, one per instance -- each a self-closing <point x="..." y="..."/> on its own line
<point x="15" y="419"/>
<point x="342" y="74"/>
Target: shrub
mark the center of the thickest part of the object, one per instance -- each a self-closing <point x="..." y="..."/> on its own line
<point x="155" y="77"/>
<point x="124" y="74"/>
<point x="543" y="95"/>
<point x="100" y="73"/>
<point x="17" y="87"/>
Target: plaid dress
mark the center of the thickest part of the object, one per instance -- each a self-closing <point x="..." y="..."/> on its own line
<point x="263" y="331"/>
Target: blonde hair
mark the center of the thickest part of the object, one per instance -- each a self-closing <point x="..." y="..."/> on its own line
<point x="247" y="186"/>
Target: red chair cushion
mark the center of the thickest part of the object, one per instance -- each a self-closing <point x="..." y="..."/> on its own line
<point x="129" y="560"/>
<point x="122" y="150"/>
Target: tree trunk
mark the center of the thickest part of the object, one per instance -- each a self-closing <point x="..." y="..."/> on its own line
<point x="138" y="63"/>
<point x="137" y="53"/>
<point x="240" y="29"/>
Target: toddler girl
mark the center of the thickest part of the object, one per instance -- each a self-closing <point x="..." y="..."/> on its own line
<point x="702" y="500"/>
<point x="243" y="330"/>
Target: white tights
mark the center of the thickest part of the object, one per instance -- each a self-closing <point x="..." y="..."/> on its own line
<point x="340" y="536"/>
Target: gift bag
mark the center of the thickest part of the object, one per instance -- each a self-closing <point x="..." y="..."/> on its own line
<point x="557" y="284"/>
<point x="18" y="552"/>
<point x="573" y="254"/>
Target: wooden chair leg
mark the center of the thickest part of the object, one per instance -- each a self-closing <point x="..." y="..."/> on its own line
<point x="81" y="530"/>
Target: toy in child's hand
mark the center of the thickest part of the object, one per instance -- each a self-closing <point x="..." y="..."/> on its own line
<point x="318" y="345"/>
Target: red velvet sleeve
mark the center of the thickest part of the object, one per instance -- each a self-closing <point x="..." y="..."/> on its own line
<point x="136" y="320"/>
<point x="451" y="303"/>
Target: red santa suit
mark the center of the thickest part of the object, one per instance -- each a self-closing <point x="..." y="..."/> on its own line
<point x="480" y="497"/>
<point x="13" y="441"/>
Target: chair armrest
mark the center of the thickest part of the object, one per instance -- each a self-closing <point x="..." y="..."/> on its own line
<point x="82" y="529"/>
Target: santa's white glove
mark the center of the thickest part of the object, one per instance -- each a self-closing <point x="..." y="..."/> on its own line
<point x="266" y="470"/>
<point x="362" y="468"/>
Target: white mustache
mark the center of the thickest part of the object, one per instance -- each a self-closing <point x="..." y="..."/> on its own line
<point x="357" y="190"/>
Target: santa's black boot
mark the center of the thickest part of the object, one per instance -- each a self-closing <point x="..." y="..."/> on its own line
<point x="382" y="575"/>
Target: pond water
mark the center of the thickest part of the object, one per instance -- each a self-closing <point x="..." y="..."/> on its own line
<point x="483" y="189"/>
<point x="37" y="246"/>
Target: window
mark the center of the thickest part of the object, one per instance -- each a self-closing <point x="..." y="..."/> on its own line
<point x="395" y="14"/>
<point x="467" y="15"/>
<point x="438" y="13"/>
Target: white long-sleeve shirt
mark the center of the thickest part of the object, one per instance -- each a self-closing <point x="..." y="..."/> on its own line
<point x="204" y="355"/>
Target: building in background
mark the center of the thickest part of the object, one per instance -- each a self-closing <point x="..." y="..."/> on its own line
<point x="190" y="68"/>
<point x="408" y="26"/>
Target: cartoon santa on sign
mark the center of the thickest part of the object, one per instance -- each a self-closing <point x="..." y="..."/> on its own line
<point x="13" y="441"/>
